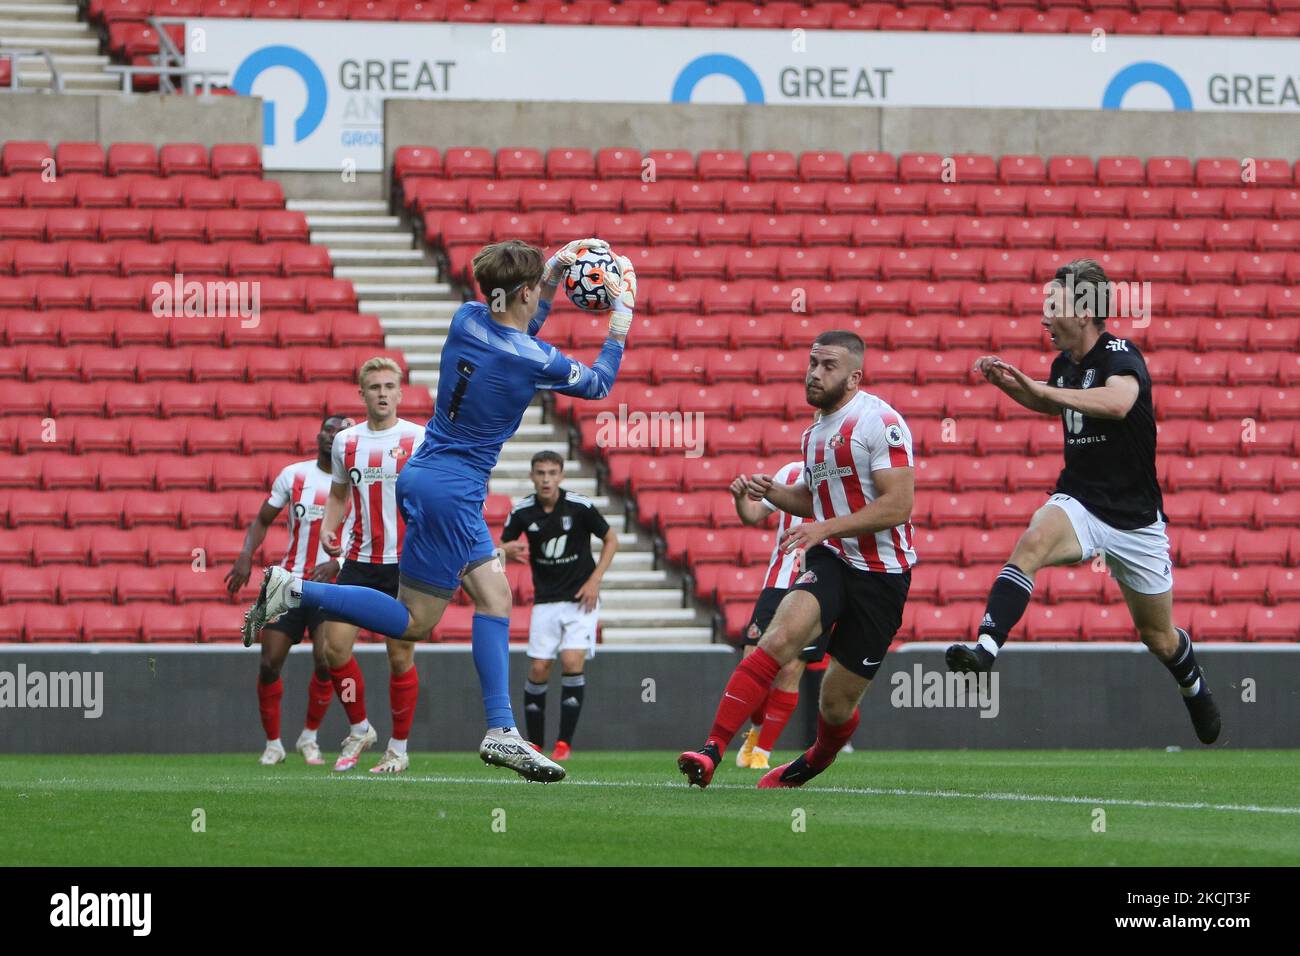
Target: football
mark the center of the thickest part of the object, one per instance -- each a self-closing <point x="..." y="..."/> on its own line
<point x="585" y="280"/>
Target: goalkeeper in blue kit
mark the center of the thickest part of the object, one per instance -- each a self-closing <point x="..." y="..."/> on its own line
<point x="492" y="365"/>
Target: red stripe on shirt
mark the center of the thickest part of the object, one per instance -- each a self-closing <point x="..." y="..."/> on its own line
<point x="824" y="495"/>
<point x="897" y="453"/>
<point x="408" y="444"/>
<point x="313" y="536"/>
<point x="377" y="510"/>
<point x="290" y="558"/>
<point x="782" y="526"/>
<point x="358" y="518"/>
<point x="853" y="494"/>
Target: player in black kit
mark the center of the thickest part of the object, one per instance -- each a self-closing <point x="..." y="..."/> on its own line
<point x="557" y="526"/>
<point x="1107" y="498"/>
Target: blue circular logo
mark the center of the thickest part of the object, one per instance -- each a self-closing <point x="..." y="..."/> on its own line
<point x="717" y="64"/>
<point x="1146" y="72"/>
<point x="294" y="59"/>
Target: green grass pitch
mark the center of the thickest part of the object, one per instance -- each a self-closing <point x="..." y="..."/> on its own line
<point x="1201" y="808"/>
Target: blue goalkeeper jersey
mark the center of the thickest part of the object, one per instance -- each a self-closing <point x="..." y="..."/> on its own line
<point x="488" y="375"/>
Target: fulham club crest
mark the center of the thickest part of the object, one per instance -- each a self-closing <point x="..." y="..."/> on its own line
<point x="1088" y="376"/>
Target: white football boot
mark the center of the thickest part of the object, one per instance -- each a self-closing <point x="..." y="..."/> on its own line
<point x="503" y="747"/>
<point x="310" y="750"/>
<point x="272" y="601"/>
<point x="353" y="745"/>
<point x="393" y="762"/>
<point x="272" y="755"/>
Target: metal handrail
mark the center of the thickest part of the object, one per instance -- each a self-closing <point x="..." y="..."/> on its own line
<point x="14" y="54"/>
<point x="164" y="74"/>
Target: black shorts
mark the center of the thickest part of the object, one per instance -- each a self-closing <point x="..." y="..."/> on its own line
<point x="864" y="607"/>
<point x="377" y="577"/>
<point x="764" y="610"/>
<point x="297" y="622"/>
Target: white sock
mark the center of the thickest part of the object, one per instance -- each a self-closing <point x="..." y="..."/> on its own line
<point x="1193" y="690"/>
<point x="396" y="746"/>
<point x="308" y="734"/>
<point x="275" y="743"/>
<point x="295" y="592"/>
<point x="988" y="644"/>
<point x="361" y="728"/>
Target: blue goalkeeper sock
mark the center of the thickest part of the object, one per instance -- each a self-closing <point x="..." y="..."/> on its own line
<point x="364" y="607"/>
<point x="490" y="640"/>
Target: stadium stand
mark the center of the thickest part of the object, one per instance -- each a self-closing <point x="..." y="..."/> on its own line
<point x="931" y="274"/>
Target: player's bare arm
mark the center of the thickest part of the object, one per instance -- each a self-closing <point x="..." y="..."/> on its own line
<point x="325" y="571"/>
<point x="589" y="593"/>
<point x="891" y="508"/>
<point x="1004" y="376"/>
<point x="792" y="499"/>
<point x="1113" y="400"/>
<point x="336" y="509"/>
<point x="750" y="511"/>
<point x="238" y="574"/>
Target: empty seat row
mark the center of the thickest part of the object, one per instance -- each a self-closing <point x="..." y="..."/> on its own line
<point x="310" y="364"/>
<point x="206" y="400"/>
<point x="171" y="159"/>
<point x="460" y="233"/>
<point x="92" y="437"/>
<point x="122" y="328"/>
<point x="94" y="191"/>
<point x="1242" y="201"/>
<point x="192" y="259"/>
<point x="208" y="622"/>
<point x="415" y="162"/>
<point x="202" y="299"/>
<point x="156" y="225"/>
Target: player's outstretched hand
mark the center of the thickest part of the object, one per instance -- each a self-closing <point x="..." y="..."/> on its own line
<point x="325" y="571"/>
<point x="1014" y="379"/>
<point x="329" y="542"/>
<point x="622" y="295"/>
<point x="759" y="486"/>
<point x="238" y="574"/>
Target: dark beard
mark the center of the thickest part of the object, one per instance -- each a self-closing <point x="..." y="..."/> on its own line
<point x="830" y="397"/>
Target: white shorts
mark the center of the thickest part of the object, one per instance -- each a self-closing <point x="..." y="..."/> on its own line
<point x="561" y="626"/>
<point x="1138" y="559"/>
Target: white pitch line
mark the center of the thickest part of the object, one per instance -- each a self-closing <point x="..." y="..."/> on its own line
<point x="881" y="792"/>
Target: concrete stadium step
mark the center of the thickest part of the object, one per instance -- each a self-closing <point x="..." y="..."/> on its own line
<point x="41" y="78"/>
<point x="376" y="257"/>
<point x="339" y="207"/>
<point x="638" y="599"/>
<point x="650" y="617"/>
<point x="59" y="45"/>
<point x="357" y="223"/>
<point x="355" y="239"/>
<point x="518" y="487"/>
<point x="48" y="12"/>
<point x="656" y="635"/>
<point x="427" y="275"/>
<point x="16" y="23"/>
<point x="426" y="310"/>
<point x="371" y="291"/>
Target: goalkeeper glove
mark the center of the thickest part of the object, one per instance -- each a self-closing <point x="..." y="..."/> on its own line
<point x="622" y="295"/>
<point x="559" y="263"/>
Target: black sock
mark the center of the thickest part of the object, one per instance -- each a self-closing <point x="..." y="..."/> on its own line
<point x="535" y="711"/>
<point x="1184" y="667"/>
<point x="571" y="688"/>
<point x="1008" y="599"/>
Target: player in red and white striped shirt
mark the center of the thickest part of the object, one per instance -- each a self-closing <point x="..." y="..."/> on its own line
<point x="304" y="485"/>
<point x="857" y="486"/>
<point x="366" y="460"/>
<point x="771" y="716"/>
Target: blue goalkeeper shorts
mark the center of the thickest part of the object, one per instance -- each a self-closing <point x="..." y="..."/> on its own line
<point x="446" y="533"/>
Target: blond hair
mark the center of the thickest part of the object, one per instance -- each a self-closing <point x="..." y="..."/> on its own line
<point x="379" y="363"/>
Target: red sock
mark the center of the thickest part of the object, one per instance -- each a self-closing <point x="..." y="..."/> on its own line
<point x="403" y="689"/>
<point x="830" y="740"/>
<point x="780" y="705"/>
<point x="759" y="714"/>
<point x="319" y="694"/>
<point x="351" y="688"/>
<point x="747" y="688"/>
<point x="268" y="703"/>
